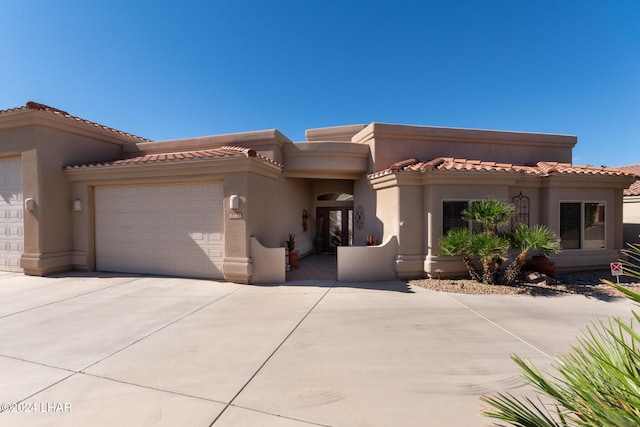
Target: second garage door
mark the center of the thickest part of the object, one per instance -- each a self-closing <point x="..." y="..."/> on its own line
<point x="173" y="229"/>
<point x="11" y="221"/>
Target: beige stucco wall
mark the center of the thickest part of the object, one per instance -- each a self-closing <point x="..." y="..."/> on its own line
<point x="276" y="211"/>
<point x="365" y="199"/>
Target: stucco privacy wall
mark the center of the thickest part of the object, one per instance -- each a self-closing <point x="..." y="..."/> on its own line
<point x="367" y="263"/>
<point x="268" y="263"/>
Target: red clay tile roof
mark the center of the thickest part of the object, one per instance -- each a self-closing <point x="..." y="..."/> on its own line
<point x="634" y="190"/>
<point x="41" y="107"/>
<point x="539" y="169"/>
<point x="226" y="151"/>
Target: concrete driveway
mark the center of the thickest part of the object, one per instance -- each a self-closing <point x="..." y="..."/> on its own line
<point x="81" y="350"/>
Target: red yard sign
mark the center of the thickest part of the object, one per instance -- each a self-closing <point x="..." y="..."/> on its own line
<point x="616" y="269"/>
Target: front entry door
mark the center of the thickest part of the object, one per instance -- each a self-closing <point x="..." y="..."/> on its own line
<point x="334" y="228"/>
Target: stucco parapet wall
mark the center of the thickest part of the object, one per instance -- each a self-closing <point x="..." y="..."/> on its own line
<point x="338" y="160"/>
<point x="588" y="181"/>
<point x="439" y="134"/>
<point x="335" y="133"/>
<point x="254" y="139"/>
<point x="50" y="117"/>
<point x="173" y="171"/>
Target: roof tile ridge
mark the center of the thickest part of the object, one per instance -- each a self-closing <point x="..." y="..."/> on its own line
<point x="36" y="106"/>
<point x="548" y="168"/>
<point x="233" y="149"/>
<point x="432" y="165"/>
<point x="403" y="164"/>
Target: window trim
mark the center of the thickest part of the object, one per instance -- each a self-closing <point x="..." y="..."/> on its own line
<point x="582" y="229"/>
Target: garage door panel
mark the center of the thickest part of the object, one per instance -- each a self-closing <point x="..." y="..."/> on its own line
<point x="174" y="229"/>
<point x="11" y="214"/>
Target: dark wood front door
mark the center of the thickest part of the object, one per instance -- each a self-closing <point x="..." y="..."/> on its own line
<point x="334" y="227"/>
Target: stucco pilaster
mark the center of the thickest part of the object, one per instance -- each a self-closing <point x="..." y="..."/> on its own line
<point x="236" y="265"/>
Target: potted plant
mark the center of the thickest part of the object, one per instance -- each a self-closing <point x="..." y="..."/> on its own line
<point x="291" y="251"/>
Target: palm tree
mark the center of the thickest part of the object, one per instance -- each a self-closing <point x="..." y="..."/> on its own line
<point x="456" y="242"/>
<point x="490" y="213"/>
<point x="525" y="239"/>
<point x="492" y="251"/>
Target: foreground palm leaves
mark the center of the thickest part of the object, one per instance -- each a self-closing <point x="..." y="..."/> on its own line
<point x="598" y="383"/>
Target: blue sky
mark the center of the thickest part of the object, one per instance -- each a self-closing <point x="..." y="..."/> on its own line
<point x="175" y="69"/>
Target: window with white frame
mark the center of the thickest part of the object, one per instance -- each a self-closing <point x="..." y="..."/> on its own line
<point x="582" y="225"/>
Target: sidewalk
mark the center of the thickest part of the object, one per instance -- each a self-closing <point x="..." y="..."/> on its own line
<point x="132" y="350"/>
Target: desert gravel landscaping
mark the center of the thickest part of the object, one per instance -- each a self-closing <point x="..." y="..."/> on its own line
<point x="582" y="283"/>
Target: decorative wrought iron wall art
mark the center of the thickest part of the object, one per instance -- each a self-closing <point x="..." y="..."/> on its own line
<point x="359" y="217"/>
<point x="521" y="202"/>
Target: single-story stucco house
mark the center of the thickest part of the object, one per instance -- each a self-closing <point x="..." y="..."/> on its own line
<point x="631" y="208"/>
<point x="77" y="195"/>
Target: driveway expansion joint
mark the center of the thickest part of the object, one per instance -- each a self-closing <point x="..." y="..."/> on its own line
<point x="270" y="357"/>
<point x="502" y="328"/>
<point x="159" y="329"/>
<point x="69" y="298"/>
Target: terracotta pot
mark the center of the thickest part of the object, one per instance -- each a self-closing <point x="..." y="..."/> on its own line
<point x="541" y="264"/>
<point x="293" y="259"/>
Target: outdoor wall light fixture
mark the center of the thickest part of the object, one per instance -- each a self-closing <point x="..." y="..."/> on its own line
<point x="29" y="204"/>
<point x="305" y="218"/>
<point x="234" y="202"/>
<point x="77" y="205"/>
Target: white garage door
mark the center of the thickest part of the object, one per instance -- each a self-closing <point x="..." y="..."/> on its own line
<point x="173" y="229"/>
<point x="11" y="210"/>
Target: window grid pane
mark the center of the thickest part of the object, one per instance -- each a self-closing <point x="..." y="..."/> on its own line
<point x="452" y="216"/>
<point x="593" y="225"/>
<point x="570" y="225"/>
